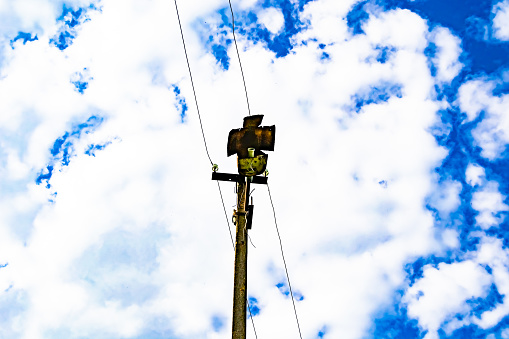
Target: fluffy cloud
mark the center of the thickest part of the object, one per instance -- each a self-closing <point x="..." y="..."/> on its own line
<point x="492" y="253"/>
<point x="385" y="29"/>
<point x="447" y="55"/>
<point x="111" y="226"/>
<point x="450" y="296"/>
<point x="443" y="291"/>
<point x="476" y="97"/>
<point x="489" y="203"/>
<point x="446" y="197"/>
<point x="475" y="175"/>
<point x="501" y="20"/>
<point x="272" y="19"/>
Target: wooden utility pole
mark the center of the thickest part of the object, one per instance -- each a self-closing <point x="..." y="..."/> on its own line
<point x="240" y="275"/>
<point x="248" y="143"/>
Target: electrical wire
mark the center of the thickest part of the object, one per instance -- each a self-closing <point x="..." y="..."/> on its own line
<point x="203" y="133"/>
<point x="226" y="215"/>
<point x="251" y="316"/>
<point x="238" y="56"/>
<point x="251" y="241"/>
<point x="284" y="262"/>
<point x="233" y="244"/>
<point x="192" y="84"/>
<point x="247" y="300"/>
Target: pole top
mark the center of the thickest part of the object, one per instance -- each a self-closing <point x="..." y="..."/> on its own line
<point x="248" y="142"/>
<point x="253" y="121"/>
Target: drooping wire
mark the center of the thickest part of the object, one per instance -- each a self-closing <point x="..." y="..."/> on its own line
<point x="203" y="133"/>
<point x="251" y="241"/>
<point x="251" y="316"/>
<point x="248" y="305"/>
<point x="238" y="56"/>
<point x="226" y="215"/>
<point x="192" y="83"/>
<point x="233" y="244"/>
<point x="284" y="262"/>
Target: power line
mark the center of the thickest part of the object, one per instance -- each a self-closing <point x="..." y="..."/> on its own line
<point x="203" y="133"/>
<point x="233" y="244"/>
<point x="251" y="316"/>
<point x="192" y="83"/>
<point x="226" y="215"/>
<point x="251" y="241"/>
<point x="238" y="56"/>
<point x="284" y="261"/>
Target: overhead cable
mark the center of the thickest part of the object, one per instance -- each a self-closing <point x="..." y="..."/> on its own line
<point x="233" y="244"/>
<point x="238" y="56"/>
<point x="284" y="262"/>
<point x="214" y="167"/>
<point x="192" y="83"/>
<point x="226" y="215"/>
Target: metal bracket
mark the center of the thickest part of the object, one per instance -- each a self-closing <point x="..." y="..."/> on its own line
<point x="249" y="221"/>
<point x="238" y="178"/>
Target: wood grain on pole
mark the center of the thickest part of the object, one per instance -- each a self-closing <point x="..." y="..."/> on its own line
<point x="240" y="276"/>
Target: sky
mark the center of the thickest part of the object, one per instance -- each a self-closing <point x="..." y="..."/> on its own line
<point x="389" y="176"/>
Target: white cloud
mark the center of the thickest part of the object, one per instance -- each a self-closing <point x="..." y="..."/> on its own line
<point x="272" y="19"/>
<point x="501" y="20"/>
<point x="450" y="238"/>
<point x="446" y="197"/>
<point x="349" y="187"/>
<point x="492" y="253"/>
<point x="327" y="20"/>
<point x="443" y="291"/>
<point x="246" y="4"/>
<point x="475" y="175"/>
<point x="489" y="203"/>
<point x="27" y="15"/>
<point x="386" y="29"/>
<point x="476" y="96"/>
<point x="448" y="52"/>
<point x="441" y="294"/>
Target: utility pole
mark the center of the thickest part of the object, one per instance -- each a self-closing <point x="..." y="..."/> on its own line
<point x="248" y="143"/>
<point x="240" y="275"/>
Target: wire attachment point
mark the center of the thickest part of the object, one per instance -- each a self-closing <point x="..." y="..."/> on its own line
<point x="266" y="173"/>
<point x="215" y="168"/>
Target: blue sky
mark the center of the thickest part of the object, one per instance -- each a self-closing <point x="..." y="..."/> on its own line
<point x="389" y="175"/>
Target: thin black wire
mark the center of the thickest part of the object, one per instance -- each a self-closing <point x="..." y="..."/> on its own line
<point x="192" y="83"/>
<point x="251" y="316"/>
<point x="284" y="261"/>
<point x="203" y="133"/>
<point x="238" y="56"/>
<point x="251" y="241"/>
<point x="233" y="244"/>
<point x="247" y="300"/>
<point x="226" y="215"/>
